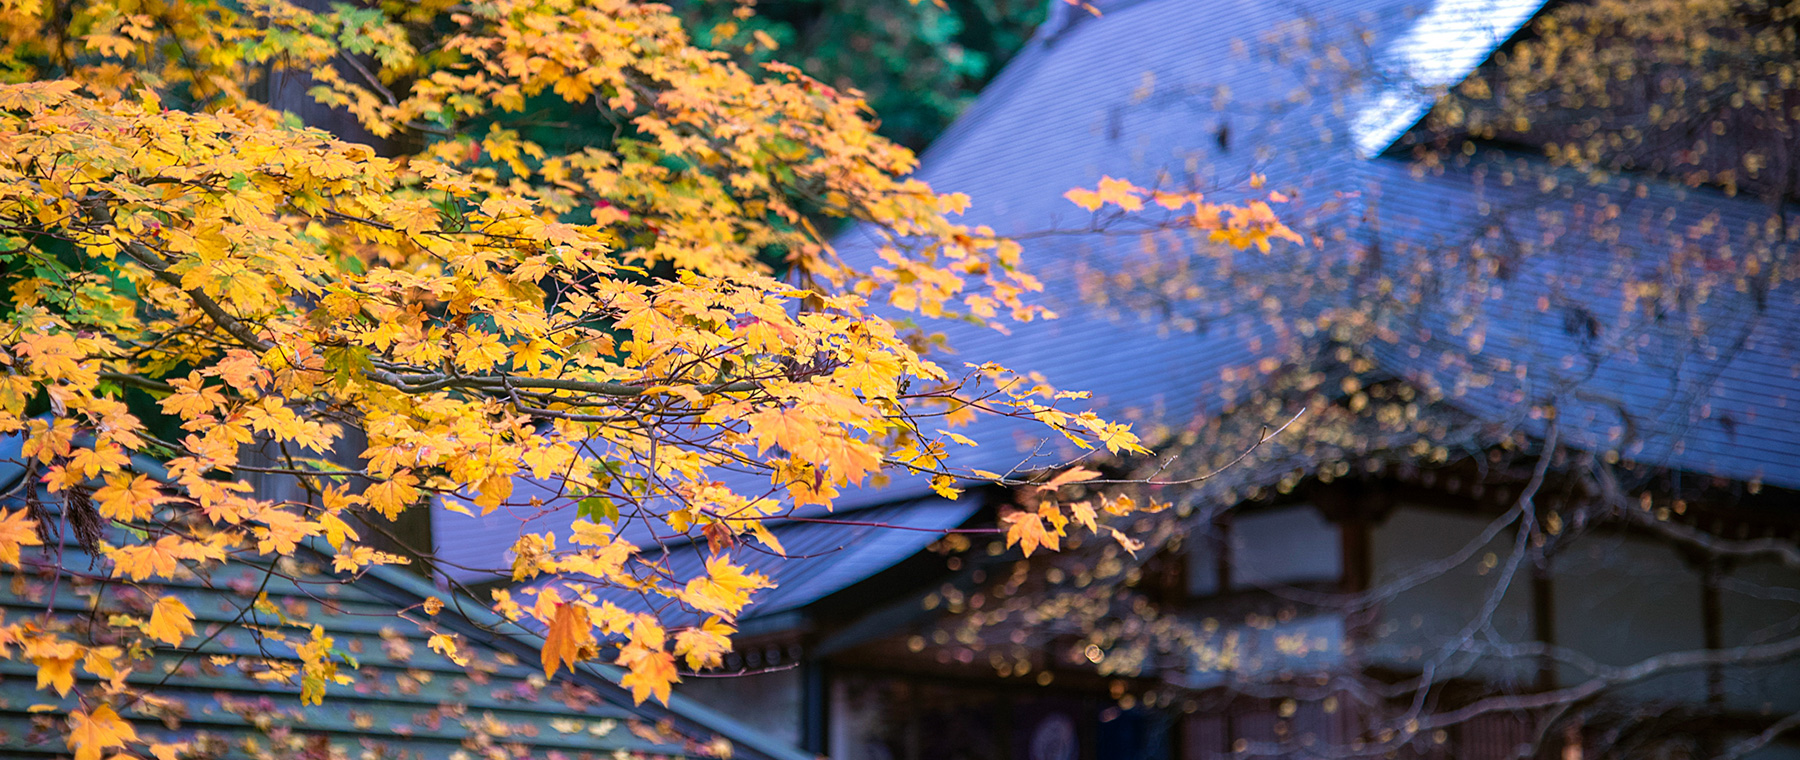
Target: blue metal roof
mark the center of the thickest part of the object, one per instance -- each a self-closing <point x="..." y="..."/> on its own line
<point x="824" y="555"/>
<point x="1713" y="387"/>
<point x="1139" y="93"/>
<point x="1147" y="93"/>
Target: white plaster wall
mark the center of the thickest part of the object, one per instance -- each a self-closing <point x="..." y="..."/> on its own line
<point x="1414" y="624"/>
<point x="1622" y="599"/>
<point x="1285" y="546"/>
<point x="1759" y="603"/>
<point x="1271" y="547"/>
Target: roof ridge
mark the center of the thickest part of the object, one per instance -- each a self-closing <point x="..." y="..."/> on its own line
<point x="1441" y="48"/>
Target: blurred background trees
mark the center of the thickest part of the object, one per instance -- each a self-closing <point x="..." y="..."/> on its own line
<point x="919" y="63"/>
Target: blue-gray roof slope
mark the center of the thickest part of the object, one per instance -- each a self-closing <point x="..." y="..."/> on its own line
<point x="1140" y="93"/>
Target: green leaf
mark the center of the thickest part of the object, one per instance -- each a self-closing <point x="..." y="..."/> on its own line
<point x="596" y="507"/>
<point x="346" y="362"/>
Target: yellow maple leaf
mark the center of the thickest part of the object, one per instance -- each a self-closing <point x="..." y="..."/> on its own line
<point x="58" y="674"/>
<point x="945" y="486"/>
<point x="570" y="637"/>
<point x="478" y="351"/>
<point x="90" y="734"/>
<point x="192" y="398"/>
<point x="128" y="498"/>
<point x="532" y="554"/>
<point x="445" y="644"/>
<point x="55" y="660"/>
<point x="1066" y="477"/>
<point x="1121" y="505"/>
<point x="317" y="669"/>
<point x="1121" y="193"/>
<point x="493" y="491"/>
<point x="650" y="672"/>
<point x="240" y="369"/>
<point x="1117" y="437"/>
<point x="170" y="621"/>
<point x="282" y="531"/>
<point x="336" y="530"/>
<point x="99" y="459"/>
<point x="1130" y="544"/>
<point x="704" y="646"/>
<point x="392" y="496"/>
<point x="590" y="533"/>
<point x="767" y="537"/>
<point x="149" y="560"/>
<point x="1084" y="514"/>
<point x="725" y="588"/>
<point x="16" y="530"/>
<point x="1086" y="199"/>
<point x="104" y="662"/>
<point x="1026" y="529"/>
<point x="605" y="563"/>
<point x="359" y="557"/>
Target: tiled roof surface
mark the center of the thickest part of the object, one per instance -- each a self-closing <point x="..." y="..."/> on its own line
<point x="405" y="700"/>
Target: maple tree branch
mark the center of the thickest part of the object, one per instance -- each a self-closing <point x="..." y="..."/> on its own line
<point x="1260" y="440"/>
<point x="1610" y="676"/>
<point x="369" y="77"/>
<point x="153" y="262"/>
<point x="739" y="674"/>
<point x="419" y="383"/>
<point x="138" y="381"/>
<point x="1783" y="551"/>
<point x="1761" y="740"/>
<point x="409" y="383"/>
<point x="882" y="525"/>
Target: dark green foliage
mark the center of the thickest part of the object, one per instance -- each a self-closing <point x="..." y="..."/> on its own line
<point x="919" y="64"/>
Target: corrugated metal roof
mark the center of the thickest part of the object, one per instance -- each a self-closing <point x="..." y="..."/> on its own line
<point x="1148" y="93"/>
<point x="1142" y="94"/>
<point x="824" y="555"/>
<point x="1134" y="94"/>
<point x="1713" y="387"/>
<point x="1725" y="402"/>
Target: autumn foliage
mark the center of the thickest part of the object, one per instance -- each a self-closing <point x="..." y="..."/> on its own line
<point x="654" y="326"/>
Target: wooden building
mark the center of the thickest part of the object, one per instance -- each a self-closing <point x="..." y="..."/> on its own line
<point x="1351" y="568"/>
